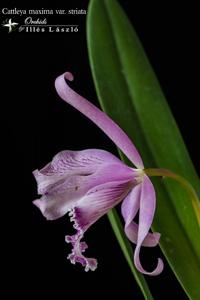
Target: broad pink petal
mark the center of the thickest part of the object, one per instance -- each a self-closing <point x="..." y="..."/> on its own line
<point x="67" y="163"/>
<point x="130" y="207"/>
<point x="114" y="132"/>
<point x="146" y="214"/>
<point x="98" y="201"/>
<point x="64" y="194"/>
<point x="82" y="162"/>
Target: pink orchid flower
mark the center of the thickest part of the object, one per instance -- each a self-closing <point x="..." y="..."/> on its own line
<point x="87" y="184"/>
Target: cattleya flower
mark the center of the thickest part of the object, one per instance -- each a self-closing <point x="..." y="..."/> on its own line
<point x="88" y="183"/>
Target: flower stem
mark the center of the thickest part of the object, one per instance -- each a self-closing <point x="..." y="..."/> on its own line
<point x="189" y="188"/>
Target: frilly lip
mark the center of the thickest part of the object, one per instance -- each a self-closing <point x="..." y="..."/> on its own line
<point x="97" y="202"/>
<point x="76" y="256"/>
<point x="68" y="187"/>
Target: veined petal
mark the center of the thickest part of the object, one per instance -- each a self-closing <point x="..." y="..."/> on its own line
<point x="131" y="204"/>
<point x="98" y="201"/>
<point x="130" y="207"/>
<point x="82" y="162"/>
<point x="53" y="207"/>
<point x="146" y="214"/>
<point x="64" y="194"/>
<point x="67" y="163"/>
<point x="114" y="132"/>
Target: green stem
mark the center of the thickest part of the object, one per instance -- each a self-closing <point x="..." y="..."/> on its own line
<point x="189" y="188"/>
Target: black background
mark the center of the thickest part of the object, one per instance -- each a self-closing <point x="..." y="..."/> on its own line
<point x="36" y="125"/>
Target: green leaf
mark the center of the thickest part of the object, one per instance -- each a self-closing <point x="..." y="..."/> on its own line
<point x="130" y="93"/>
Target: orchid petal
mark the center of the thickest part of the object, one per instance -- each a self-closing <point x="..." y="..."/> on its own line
<point x="113" y="131"/>
<point x="151" y="240"/>
<point x="88" y="210"/>
<point x="130" y="207"/>
<point x="82" y="162"/>
<point x="146" y="214"/>
<point x="131" y="204"/>
<point x="99" y="200"/>
<point x="67" y="163"/>
<point x="63" y="194"/>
